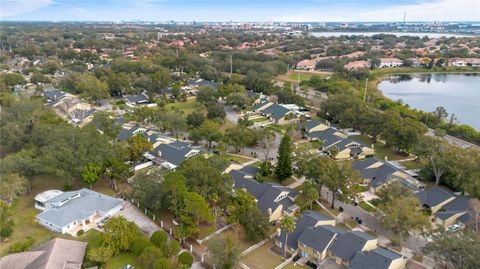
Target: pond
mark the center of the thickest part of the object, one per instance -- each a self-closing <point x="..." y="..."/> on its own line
<point x="457" y="93"/>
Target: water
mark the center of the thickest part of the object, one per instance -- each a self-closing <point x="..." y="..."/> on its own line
<point x="431" y="35"/>
<point x="457" y="93"/>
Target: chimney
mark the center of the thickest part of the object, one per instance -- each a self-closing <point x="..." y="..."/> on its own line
<point x="269" y="211"/>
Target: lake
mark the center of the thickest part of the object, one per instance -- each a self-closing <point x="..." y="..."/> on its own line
<point x="431" y="35"/>
<point x="457" y="93"/>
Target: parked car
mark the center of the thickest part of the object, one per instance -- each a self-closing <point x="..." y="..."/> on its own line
<point x="453" y="228"/>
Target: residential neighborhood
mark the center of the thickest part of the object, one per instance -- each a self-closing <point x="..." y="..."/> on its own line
<point x="161" y="145"/>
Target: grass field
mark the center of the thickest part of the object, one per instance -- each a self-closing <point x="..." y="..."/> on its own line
<point x="262" y="257"/>
<point x="410" y="165"/>
<point x="294" y="76"/>
<point x="367" y="207"/>
<point x="119" y="261"/>
<point x="238" y="159"/>
<point x="186" y="107"/>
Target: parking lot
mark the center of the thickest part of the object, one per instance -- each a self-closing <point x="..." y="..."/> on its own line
<point x="132" y="213"/>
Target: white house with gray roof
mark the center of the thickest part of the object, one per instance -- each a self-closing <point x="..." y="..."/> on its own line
<point x="72" y="211"/>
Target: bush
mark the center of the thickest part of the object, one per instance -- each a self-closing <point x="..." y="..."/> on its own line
<point x="139" y="244"/>
<point x="171" y="248"/>
<point x="185" y="258"/>
<point x="159" y="238"/>
<point x="162" y="263"/>
<point x="149" y="256"/>
<point x="5" y="232"/>
<point x="80" y="233"/>
<point x="21" y="246"/>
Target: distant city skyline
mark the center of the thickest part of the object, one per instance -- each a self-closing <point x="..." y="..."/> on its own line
<point x="235" y="10"/>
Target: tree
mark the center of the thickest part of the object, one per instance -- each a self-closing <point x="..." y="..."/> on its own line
<point x="119" y="234"/>
<point x="340" y="179"/>
<point x="402" y="211"/>
<point x="266" y="140"/>
<point x="240" y="137"/>
<point x="255" y="223"/>
<point x="239" y="204"/>
<point x="435" y="151"/>
<point x="175" y="188"/>
<point x="13" y="185"/>
<point x="461" y="250"/>
<point x="310" y="193"/>
<point x="100" y="254"/>
<point x="149" y="256"/>
<point x="159" y="238"/>
<point x="196" y="208"/>
<point x="288" y="224"/>
<point x="440" y="112"/>
<point x="12" y="79"/>
<point x="176" y="123"/>
<point x="137" y="145"/>
<point x="222" y="252"/>
<point x="207" y="96"/>
<point x="210" y="131"/>
<point x="6" y="221"/>
<point x="140" y="243"/>
<point x="91" y="174"/>
<point x="216" y="112"/>
<point x="171" y="248"/>
<point x="195" y="119"/>
<point x="474" y="213"/>
<point x="105" y="122"/>
<point x="238" y="99"/>
<point x="118" y="170"/>
<point x="283" y="170"/>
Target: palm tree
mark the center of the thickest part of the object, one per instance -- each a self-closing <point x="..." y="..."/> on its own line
<point x="288" y="224"/>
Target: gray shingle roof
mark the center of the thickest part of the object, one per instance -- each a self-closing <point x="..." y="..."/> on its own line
<point x="433" y="196"/>
<point x="174" y="153"/>
<point x="78" y="208"/>
<point x="137" y="99"/>
<point x="346" y="245"/>
<point x="311" y="123"/>
<point x="318" y="238"/>
<point x="378" y="258"/>
<point x="327" y="136"/>
<point x="53" y="95"/>
<point x="309" y="218"/>
<point x="276" y="111"/>
<point x="258" y="105"/>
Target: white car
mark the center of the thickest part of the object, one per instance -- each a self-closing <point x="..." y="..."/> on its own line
<point x="453" y="228"/>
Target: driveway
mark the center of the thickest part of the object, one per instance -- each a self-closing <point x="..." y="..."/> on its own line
<point x="231" y="114"/>
<point x="132" y="213"/>
<point x="330" y="264"/>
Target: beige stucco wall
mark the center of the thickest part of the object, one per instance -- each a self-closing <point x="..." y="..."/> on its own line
<point x="399" y="263"/>
<point x="320" y="127"/>
<point x="439" y="206"/>
<point x="277" y="214"/>
<point x="369" y="245"/>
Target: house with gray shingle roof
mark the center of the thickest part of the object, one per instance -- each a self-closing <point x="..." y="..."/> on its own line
<point x="138" y="100"/>
<point x="347" y="245"/>
<point x="277" y="113"/>
<point x="377" y="174"/>
<point x="309" y="219"/>
<point x="447" y="208"/>
<point x="171" y="155"/>
<point x="70" y="212"/>
<point x="379" y="258"/>
<point x="272" y="199"/>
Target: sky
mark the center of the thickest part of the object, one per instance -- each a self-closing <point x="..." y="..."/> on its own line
<point x="240" y="10"/>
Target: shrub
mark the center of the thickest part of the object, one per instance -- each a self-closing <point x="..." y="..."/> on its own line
<point x="159" y="238"/>
<point x="162" y="263"/>
<point x="139" y="244"/>
<point x="80" y="233"/>
<point x="5" y="232"/>
<point x="21" y="246"/>
<point x="185" y="258"/>
<point x="171" y="248"/>
<point x="149" y="256"/>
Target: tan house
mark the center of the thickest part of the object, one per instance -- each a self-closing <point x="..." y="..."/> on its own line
<point x="357" y="65"/>
<point x="348" y="244"/>
<point x="306" y="64"/>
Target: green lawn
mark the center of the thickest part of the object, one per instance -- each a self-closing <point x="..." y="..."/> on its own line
<point x="186" y="107"/>
<point x="239" y="238"/>
<point x="262" y="257"/>
<point x="367" y="207"/>
<point x="119" y="261"/>
<point x="411" y="165"/>
<point x="308" y="145"/>
<point x="299" y="76"/>
<point x="380" y="149"/>
<point x="238" y="159"/>
<point x="281" y="128"/>
<point x="259" y="119"/>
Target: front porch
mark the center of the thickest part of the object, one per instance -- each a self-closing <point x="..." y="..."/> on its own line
<point x="86" y="224"/>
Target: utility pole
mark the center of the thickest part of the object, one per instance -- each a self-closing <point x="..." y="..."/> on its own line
<point x="365" y="92"/>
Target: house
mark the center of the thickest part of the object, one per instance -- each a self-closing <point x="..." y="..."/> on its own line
<point x="278" y="114"/>
<point x="346" y="245"/>
<point x="336" y="142"/>
<point x="56" y="254"/>
<point x="53" y="95"/>
<point x="352" y="55"/>
<point x="417" y="61"/>
<point x="306" y="64"/>
<point x="128" y="131"/>
<point x="379" y="258"/>
<point x="171" y="155"/>
<point x="72" y="211"/>
<point x="314" y="242"/>
<point x="474" y="62"/>
<point x="378" y="174"/>
<point x="357" y="65"/>
<point x="138" y="100"/>
<point x="309" y="219"/>
<point x="390" y="62"/>
<point x="196" y="84"/>
<point x="272" y="199"/>
<point x="447" y="208"/>
<point x="69" y="107"/>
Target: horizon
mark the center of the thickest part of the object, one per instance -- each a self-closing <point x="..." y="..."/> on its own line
<point x="241" y="11"/>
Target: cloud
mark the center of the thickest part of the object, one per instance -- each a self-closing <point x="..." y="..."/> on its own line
<point x="10" y="8"/>
<point x="423" y="10"/>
